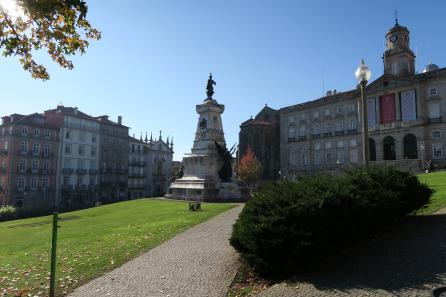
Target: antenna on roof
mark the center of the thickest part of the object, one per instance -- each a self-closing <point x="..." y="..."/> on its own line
<point x="396" y="16"/>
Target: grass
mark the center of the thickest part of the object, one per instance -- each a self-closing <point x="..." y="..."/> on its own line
<point x="90" y="242"/>
<point x="437" y="181"/>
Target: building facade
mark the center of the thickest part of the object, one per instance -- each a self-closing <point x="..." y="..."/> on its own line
<point x="261" y="134"/>
<point x="28" y="161"/>
<point x="113" y="159"/>
<point x="138" y="186"/>
<point x="78" y="157"/>
<point x="406" y="112"/>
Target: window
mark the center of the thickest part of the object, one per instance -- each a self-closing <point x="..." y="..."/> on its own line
<point x="291" y="133"/>
<point x="354" y="155"/>
<point x="21" y="183"/>
<point x="327" y="112"/>
<point x="36" y="132"/>
<point x="317" y="146"/>
<point x="340" y="157"/>
<point x="34" y="166"/>
<point x="68" y="135"/>
<point x="339" y="126"/>
<point x="68" y="149"/>
<point x="351" y="107"/>
<point x="316" y="129"/>
<point x="339" y="109"/>
<point x="24" y="131"/>
<point x="81" y="150"/>
<point x="46" y="150"/>
<point x="302" y="131"/>
<point x="434" y="110"/>
<point x="317" y="158"/>
<point x="94" y="139"/>
<point x="93" y="151"/>
<point x="93" y="165"/>
<point x="328" y="158"/>
<point x="66" y="180"/>
<point x="24" y="147"/>
<point x="36" y="148"/>
<point x="352" y="124"/>
<point x="437" y="150"/>
<point x="353" y="142"/>
<point x="303" y="159"/>
<point x="67" y="163"/>
<point x="47" y="134"/>
<point x="290" y="119"/>
<point x="80" y="180"/>
<point x="5" y="146"/>
<point x="45" y="182"/>
<point x="92" y="180"/>
<point x="22" y="165"/>
<point x="45" y="165"/>
<point x="432" y="91"/>
<point x="82" y="137"/>
<point x="80" y="164"/>
<point x="327" y="128"/>
<point x="316" y="114"/>
<point x="33" y="183"/>
<point x="4" y="163"/>
<point x="302" y="117"/>
<point x="133" y="147"/>
<point x="340" y="144"/>
<point x="436" y="134"/>
<point x="328" y="145"/>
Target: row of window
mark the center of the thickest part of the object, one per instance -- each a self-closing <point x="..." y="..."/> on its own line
<point x="35" y="132"/>
<point x="35" y="165"/>
<point x="328" y="145"/>
<point x="80" y="180"/>
<point x="329" y="158"/>
<point x="81" y="164"/>
<point x="81" y="137"/>
<point x="81" y="150"/>
<point x="339" y="109"/>
<point x="35" y="148"/>
<point x="33" y="183"/>
<point x="327" y="128"/>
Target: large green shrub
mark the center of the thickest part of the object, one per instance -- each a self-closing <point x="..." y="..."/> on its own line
<point x="289" y="225"/>
<point x="8" y="212"/>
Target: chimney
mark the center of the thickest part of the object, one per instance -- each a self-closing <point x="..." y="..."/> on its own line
<point x="6" y="120"/>
<point x="120" y="120"/>
<point x="329" y="93"/>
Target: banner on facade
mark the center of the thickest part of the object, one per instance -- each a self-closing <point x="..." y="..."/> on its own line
<point x="408" y="105"/>
<point x="371" y="112"/>
<point x="387" y="108"/>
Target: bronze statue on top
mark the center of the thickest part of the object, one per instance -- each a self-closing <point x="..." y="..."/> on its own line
<point x="210" y="87"/>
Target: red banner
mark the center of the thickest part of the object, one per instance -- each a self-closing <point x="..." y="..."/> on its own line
<point x="387" y="108"/>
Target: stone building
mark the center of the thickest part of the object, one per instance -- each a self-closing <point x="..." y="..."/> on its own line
<point x="150" y="163"/>
<point x="262" y="135"/>
<point x="28" y="160"/>
<point x="78" y="156"/>
<point x="406" y="112"/>
<point x="113" y="159"/>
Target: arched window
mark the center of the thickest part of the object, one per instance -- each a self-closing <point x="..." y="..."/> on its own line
<point x="372" y="149"/>
<point x="410" y="146"/>
<point x="389" y="148"/>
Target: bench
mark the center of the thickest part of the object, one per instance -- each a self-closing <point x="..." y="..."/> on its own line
<point x="194" y="205"/>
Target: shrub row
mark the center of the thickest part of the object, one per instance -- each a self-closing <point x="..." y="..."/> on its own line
<point x="293" y="225"/>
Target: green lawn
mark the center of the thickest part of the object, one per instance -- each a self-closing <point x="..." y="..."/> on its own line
<point x="437" y="181"/>
<point x="90" y="242"/>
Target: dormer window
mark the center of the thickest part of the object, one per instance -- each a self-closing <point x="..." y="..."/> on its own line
<point x="436" y="134"/>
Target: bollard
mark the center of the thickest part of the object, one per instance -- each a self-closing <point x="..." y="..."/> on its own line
<point x="53" y="255"/>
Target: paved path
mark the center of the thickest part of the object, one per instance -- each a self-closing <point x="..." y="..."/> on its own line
<point x="197" y="262"/>
<point x="408" y="261"/>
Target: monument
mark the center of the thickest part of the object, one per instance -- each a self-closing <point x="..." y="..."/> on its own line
<point x="207" y="170"/>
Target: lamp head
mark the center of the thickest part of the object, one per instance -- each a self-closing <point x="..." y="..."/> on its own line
<point x="363" y="72"/>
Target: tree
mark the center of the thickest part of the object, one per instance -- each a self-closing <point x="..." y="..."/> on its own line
<point x="249" y="169"/>
<point x="59" y="26"/>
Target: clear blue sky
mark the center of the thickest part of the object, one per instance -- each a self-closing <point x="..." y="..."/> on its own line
<point x="153" y="61"/>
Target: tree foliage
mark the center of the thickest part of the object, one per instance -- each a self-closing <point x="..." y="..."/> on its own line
<point x="59" y="26"/>
<point x="249" y="169"/>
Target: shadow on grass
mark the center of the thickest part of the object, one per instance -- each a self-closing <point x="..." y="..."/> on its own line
<point x="412" y="255"/>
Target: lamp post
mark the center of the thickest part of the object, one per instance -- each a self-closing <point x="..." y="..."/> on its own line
<point x="422" y="156"/>
<point x="363" y="75"/>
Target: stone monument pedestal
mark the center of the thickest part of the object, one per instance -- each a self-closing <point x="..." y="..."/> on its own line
<point x="207" y="170"/>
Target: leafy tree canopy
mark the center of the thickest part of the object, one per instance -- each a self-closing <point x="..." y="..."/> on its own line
<point x="58" y="26"/>
<point x="249" y="169"/>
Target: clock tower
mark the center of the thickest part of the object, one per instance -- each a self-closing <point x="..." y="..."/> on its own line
<point x="398" y="57"/>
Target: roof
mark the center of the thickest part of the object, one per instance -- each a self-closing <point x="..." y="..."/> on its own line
<point x="71" y="111"/>
<point x="27" y="120"/>
<point x="104" y="119"/>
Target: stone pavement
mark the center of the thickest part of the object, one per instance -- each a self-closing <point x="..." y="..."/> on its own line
<point x="197" y="262"/>
<point x="407" y="261"/>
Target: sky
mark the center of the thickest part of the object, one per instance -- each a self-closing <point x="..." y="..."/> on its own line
<point x="154" y="58"/>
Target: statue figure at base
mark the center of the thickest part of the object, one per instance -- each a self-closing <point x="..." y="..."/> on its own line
<point x="225" y="172"/>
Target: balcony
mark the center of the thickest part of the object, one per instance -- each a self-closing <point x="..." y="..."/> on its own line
<point x="339" y="133"/>
<point x="328" y="134"/>
<point x="81" y="171"/>
<point x="81" y="187"/>
<point x="352" y="131"/>
<point x="49" y="155"/>
<point x="67" y="170"/>
<point x="302" y="138"/>
<point x="137" y="163"/>
<point x="93" y="171"/>
<point x="45" y="171"/>
<point x="67" y="187"/>
<point x="4" y="151"/>
<point x="140" y="175"/>
<point x="317" y="136"/>
<point x="35" y="154"/>
<point x="291" y="139"/>
<point x="434" y="120"/>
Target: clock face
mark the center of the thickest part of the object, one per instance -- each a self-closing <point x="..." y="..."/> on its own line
<point x="393" y="38"/>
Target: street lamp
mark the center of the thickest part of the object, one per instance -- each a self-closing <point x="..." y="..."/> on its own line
<point x="422" y="156"/>
<point x="363" y="75"/>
